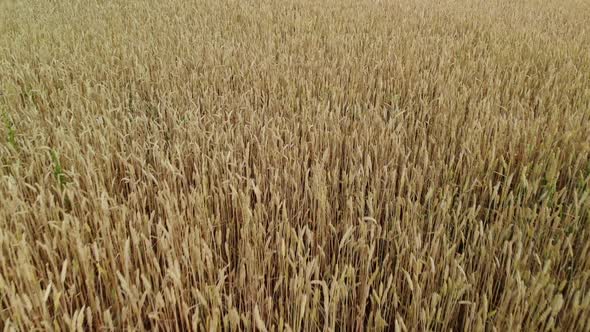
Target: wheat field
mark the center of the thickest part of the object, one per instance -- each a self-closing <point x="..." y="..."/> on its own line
<point x="298" y="165"/>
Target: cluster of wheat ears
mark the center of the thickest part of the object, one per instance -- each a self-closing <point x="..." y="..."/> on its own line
<point x="298" y="165"/>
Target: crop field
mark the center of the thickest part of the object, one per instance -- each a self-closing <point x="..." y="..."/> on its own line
<point x="296" y="165"/>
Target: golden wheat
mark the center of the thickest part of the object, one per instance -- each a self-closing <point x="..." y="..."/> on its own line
<point x="295" y="165"/>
